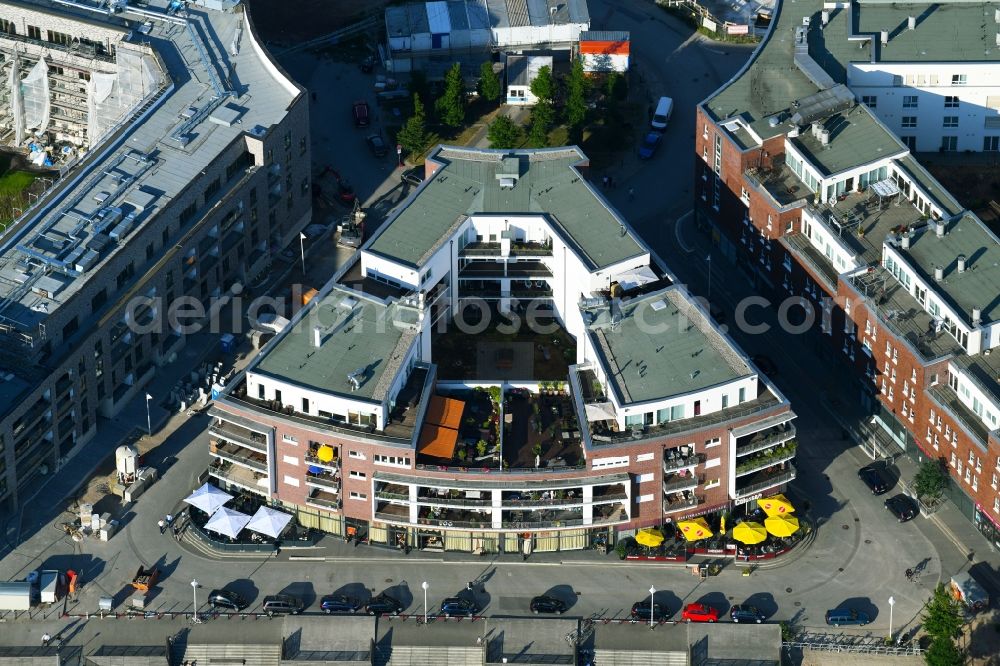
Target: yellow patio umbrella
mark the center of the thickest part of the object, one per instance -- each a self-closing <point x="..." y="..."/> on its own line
<point x="722" y="525"/>
<point x="749" y="533"/>
<point x="782" y="526"/>
<point x="696" y="529"/>
<point x="649" y="537"/>
<point x="776" y="505"/>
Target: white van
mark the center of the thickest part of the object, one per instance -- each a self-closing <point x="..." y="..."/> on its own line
<point x="662" y="114"/>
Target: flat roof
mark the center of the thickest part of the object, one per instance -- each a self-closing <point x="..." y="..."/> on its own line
<point x="357" y="335"/>
<point x="660" y="346"/>
<point x="979" y="285"/>
<point x="637" y="637"/>
<point x="929" y="183"/>
<point x="523" y="640"/>
<point x="948" y="31"/>
<point x="466" y="184"/>
<point x="855" y="138"/>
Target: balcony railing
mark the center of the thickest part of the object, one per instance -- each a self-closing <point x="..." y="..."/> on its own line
<point x="323" y="481"/>
<point x="323" y="502"/>
<point x="681" y="483"/>
<point x="240" y="459"/>
<point x="399" y="497"/>
<point x="248" y="440"/>
<point x="680" y="505"/>
<point x="541" y="524"/>
<point x="610" y="497"/>
<point x="313" y="460"/>
<point x="453" y="501"/>
<point x="531" y="293"/>
<point x="678" y="463"/>
<point x="757" y="445"/>
<point x="773" y="480"/>
<point x="782" y="454"/>
<point x="239" y="476"/>
<point x="480" y="250"/>
<point x="530" y="249"/>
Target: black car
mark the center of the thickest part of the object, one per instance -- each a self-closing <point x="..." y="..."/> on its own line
<point x="745" y="613"/>
<point x="226" y="599"/>
<point x="640" y="611"/>
<point x="383" y="604"/>
<point x="457" y="606"/>
<point x="339" y="603"/>
<point x="282" y="604"/>
<point x="413" y="176"/>
<point x="547" y="604"/>
<point x="874" y="479"/>
<point x="903" y="507"/>
<point x="765" y="364"/>
<point x="377" y="145"/>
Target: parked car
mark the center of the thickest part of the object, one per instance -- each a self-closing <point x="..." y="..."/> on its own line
<point x="339" y="603"/>
<point x="874" y="479"/>
<point x="283" y="604"/>
<point x="699" y="613"/>
<point x="413" y="176"/>
<point x="649" y="144"/>
<point x="547" y="604"/>
<point x="458" y="606"/>
<point x="641" y="609"/>
<point x="359" y="110"/>
<point x="383" y="604"/>
<point x="377" y="145"/>
<point x="903" y="507"/>
<point x="226" y="599"/>
<point x="765" y="364"/>
<point x="745" y="613"/>
<point x="846" y="616"/>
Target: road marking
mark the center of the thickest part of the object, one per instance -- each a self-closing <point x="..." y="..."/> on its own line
<point x="677" y="231"/>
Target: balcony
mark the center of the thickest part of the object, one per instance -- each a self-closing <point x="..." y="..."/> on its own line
<point x="780" y="184"/>
<point x="674" y="461"/>
<point x="311" y="459"/>
<point x="328" y="481"/>
<point x="674" y="483"/>
<point x="610" y="496"/>
<point x="528" y="249"/>
<point x="776" y="456"/>
<point x="480" y="250"/>
<point x="681" y="502"/>
<point x="456" y="498"/>
<point x="240" y="476"/>
<point x="531" y="292"/>
<point x="762" y="482"/>
<point x="608" y="515"/>
<point x="240" y="456"/>
<point x="31" y="417"/>
<point x="323" y="500"/>
<point x="482" y="519"/>
<point x="763" y="440"/>
<point x="242" y="436"/>
<point x="807" y="254"/>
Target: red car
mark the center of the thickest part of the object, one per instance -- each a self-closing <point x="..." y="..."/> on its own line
<point x="699" y="613"/>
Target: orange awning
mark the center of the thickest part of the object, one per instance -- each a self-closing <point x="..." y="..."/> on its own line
<point x="445" y="412"/>
<point x="437" y="441"/>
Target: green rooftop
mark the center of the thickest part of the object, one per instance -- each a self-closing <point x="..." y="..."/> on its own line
<point x="663" y="347"/>
<point x="349" y="343"/>
<point x="979" y="285"/>
<point x="468" y="183"/>
<point x="855" y="138"/>
<point x="930" y="185"/>
<point x="946" y="31"/>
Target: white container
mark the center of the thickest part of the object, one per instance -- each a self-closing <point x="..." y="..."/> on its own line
<point x="48" y="586"/>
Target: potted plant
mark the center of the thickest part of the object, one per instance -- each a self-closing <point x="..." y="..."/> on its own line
<point x="620" y="550"/>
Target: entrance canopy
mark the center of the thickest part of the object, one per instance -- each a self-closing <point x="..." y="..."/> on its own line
<point x="208" y="498"/>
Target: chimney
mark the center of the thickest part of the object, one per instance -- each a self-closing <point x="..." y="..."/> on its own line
<point x="939" y="228"/>
<point x="824" y="137"/>
<point x="825" y="16"/>
<point x="996" y="15"/>
<point x="977" y="316"/>
<point x="911" y="23"/>
<point x="938" y="273"/>
<point x="905" y="241"/>
<point x="961" y="263"/>
<point x="885" y="37"/>
<point x="317" y="336"/>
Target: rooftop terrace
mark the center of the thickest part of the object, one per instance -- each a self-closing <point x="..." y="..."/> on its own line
<point x="546" y="182"/>
<point x="855" y="138"/>
<point x="659" y="346"/>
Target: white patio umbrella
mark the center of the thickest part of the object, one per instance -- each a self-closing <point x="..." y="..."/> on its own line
<point x="208" y="498"/>
<point x="268" y="522"/>
<point x="228" y="522"/>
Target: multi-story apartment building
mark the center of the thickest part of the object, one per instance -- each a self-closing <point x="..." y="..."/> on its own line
<point x="342" y="415"/>
<point x="189" y="196"/>
<point x="806" y="173"/>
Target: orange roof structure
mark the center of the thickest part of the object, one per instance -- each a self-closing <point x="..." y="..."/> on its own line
<point x="445" y="412"/>
<point x="437" y="441"/>
<point x="604" y="47"/>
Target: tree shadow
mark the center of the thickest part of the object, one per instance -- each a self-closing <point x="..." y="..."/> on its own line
<point x="302" y="590"/>
<point x="355" y="591"/>
<point x="764" y="602"/>
<point x="401" y="593"/>
<point x="668" y="600"/>
<point x="244" y="587"/>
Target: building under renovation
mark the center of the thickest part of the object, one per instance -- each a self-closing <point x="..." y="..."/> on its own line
<point x="64" y="84"/>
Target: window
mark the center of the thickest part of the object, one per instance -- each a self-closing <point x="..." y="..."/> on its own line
<point x="871" y="101"/>
<point x="951" y="102"/>
<point x="290" y="460"/>
<point x="949" y="143"/>
<point x="391" y="461"/>
<point x="994" y="483"/>
<point x="715" y="441"/>
<point x="34" y="32"/>
<point x="743" y="396"/>
<point x="725" y="401"/>
<point x="910" y="101"/>
<point x="305" y="405"/>
<point x="358" y="496"/>
<point x="288" y="438"/>
<point x="909" y="121"/>
<point x="991" y="144"/>
<point x="358" y="475"/>
<point x="950" y="121"/>
<point x="958" y="79"/>
<point x="910" y="142"/>
<point x="277" y="397"/>
<point x="291" y="481"/>
<point x="212" y="189"/>
<point x="745" y="196"/>
<point x="260" y="391"/>
<point x="643" y="457"/>
<point x="357" y="455"/>
<point x="712" y="483"/>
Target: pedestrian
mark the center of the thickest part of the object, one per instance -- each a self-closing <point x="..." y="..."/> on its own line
<point x="468" y="586"/>
<point x="169" y="519"/>
<point x="605" y="181"/>
<point x="162" y="525"/>
<point x="45" y="639"/>
<point x="177" y="532"/>
<point x="631" y="194"/>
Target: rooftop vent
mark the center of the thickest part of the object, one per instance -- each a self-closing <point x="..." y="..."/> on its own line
<point x="317" y="336"/>
<point x="939" y="228"/>
<point x="905" y="241"/>
<point x="824" y="137"/>
<point x="825" y="16"/>
<point x="911" y="22"/>
<point x="961" y="263"/>
<point x="938" y="273"/>
<point x="977" y="316"/>
<point x="354" y="378"/>
<point x="885" y="37"/>
<point x="996" y="15"/>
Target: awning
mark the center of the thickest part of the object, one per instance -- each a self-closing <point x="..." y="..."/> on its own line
<point x="445" y="412"/>
<point x="228" y="522"/>
<point x="635" y="277"/>
<point x="437" y="441"/>
<point x="885" y="188"/>
<point x="650" y="537"/>
<point x="208" y="498"/>
<point x="696" y="529"/>
<point x="600" y="411"/>
<point x="268" y="522"/>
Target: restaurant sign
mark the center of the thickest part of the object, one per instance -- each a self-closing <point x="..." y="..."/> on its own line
<point x="748" y="498"/>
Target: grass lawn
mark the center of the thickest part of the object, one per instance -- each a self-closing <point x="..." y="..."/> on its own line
<point x="14" y="182"/>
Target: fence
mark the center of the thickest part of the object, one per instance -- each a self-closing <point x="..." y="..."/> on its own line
<point x="363" y="25"/>
<point x="867" y="644"/>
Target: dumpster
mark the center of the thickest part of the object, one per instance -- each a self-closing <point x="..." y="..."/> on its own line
<point x="48" y="586"/>
<point x="15" y="596"/>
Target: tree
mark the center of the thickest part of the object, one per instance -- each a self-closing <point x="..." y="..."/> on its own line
<point x="505" y="133"/>
<point x="576" y="95"/>
<point x="943" y="652"/>
<point x="931" y="479"/>
<point x="616" y="87"/>
<point x="489" y="83"/>
<point x="542" y="117"/>
<point x="942" y="615"/>
<point x="543" y="87"/>
<point x="451" y="105"/>
<point x="413" y="135"/>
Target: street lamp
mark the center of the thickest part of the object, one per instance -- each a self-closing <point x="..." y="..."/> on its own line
<point x="149" y="422"/>
<point x="652" y="605"/>
<point x="194" y="592"/>
<point x="425" y="586"/>
<point x="892" y="602"/>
